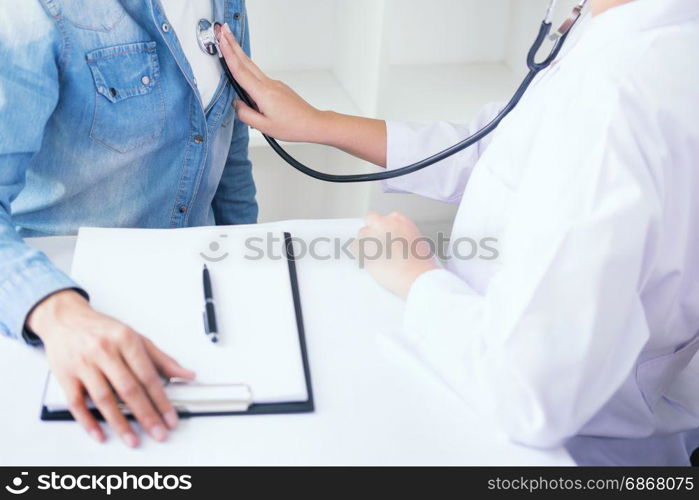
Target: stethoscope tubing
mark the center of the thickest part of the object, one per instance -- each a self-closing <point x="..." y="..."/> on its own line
<point x="534" y="69"/>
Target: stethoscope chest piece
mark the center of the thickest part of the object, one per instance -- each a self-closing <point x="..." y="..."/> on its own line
<point x="206" y="37"/>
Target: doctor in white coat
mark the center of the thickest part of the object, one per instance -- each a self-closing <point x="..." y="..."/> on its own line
<point x="584" y="331"/>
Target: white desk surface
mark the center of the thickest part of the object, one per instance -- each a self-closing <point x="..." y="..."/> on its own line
<point x="375" y="405"/>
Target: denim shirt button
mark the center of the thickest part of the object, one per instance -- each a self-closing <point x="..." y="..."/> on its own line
<point x="198" y="139"/>
<point x="236" y="16"/>
<point x="166" y="27"/>
<point x="145" y="80"/>
<point x="183" y="209"/>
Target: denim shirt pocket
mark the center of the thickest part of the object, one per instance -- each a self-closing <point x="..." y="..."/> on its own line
<point x="129" y="103"/>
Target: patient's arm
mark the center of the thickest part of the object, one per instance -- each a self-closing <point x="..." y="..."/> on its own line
<point x="284" y="115"/>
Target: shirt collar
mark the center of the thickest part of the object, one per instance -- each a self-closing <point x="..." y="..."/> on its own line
<point x="634" y="17"/>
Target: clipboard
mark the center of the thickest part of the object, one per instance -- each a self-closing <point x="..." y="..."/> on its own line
<point x="192" y="399"/>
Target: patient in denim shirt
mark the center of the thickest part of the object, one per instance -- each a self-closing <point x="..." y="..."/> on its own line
<point x="101" y="125"/>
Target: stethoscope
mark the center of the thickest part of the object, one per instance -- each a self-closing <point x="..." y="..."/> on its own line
<point x="206" y="36"/>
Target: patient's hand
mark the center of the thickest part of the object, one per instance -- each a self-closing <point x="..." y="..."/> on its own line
<point x="92" y="354"/>
<point x="282" y="114"/>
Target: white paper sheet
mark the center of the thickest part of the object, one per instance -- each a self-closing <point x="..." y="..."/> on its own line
<point x="152" y="281"/>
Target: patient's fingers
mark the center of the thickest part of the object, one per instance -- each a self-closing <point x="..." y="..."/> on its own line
<point x="102" y="395"/>
<point x="138" y="359"/>
<point x="166" y="365"/>
<point x="78" y="408"/>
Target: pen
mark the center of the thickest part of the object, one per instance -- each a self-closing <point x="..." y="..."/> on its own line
<point x="210" y="313"/>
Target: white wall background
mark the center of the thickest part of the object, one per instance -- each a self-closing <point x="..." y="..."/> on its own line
<point x="411" y="60"/>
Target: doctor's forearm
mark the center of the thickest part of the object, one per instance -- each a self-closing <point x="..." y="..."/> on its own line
<point x="364" y="138"/>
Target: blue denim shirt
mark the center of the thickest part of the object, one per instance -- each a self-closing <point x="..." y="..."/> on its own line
<point x="101" y="125"/>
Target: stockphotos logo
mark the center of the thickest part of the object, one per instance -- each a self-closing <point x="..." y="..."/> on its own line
<point x="100" y="483"/>
<point x="17" y="486"/>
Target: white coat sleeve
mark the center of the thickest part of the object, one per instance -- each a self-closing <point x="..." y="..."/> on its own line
<point x="445" y="181"/>
<point x="561" y="324"/>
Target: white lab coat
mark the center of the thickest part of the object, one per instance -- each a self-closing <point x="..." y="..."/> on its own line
<point x="588" y="322"/>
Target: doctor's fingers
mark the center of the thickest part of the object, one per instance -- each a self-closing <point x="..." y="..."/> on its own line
<point x="240" y="53"/>
<point x="231" y="48"/>
<point x="372" y="227"/>
<point x="240" y="71"/>
<point x="372" y="219"/>
<point x="251" y="117"/>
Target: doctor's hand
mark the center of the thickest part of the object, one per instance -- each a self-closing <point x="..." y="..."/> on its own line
<point x="283" y="114"/>
<point x="394" y="252"/>
<point x="94" y="355"/>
